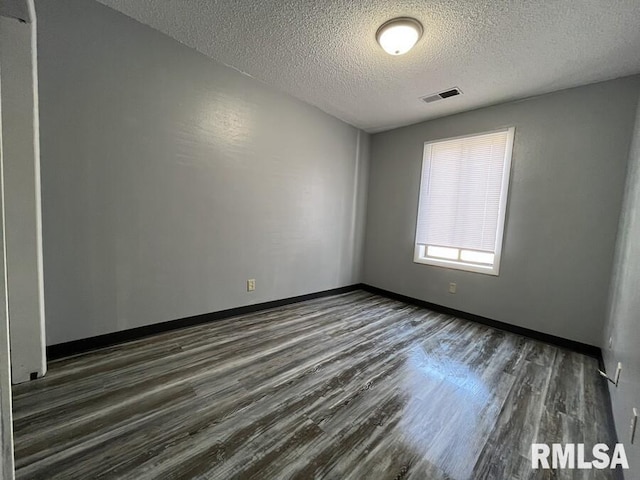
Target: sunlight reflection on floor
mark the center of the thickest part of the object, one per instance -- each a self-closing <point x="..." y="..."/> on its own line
<point x="446" y="411"/>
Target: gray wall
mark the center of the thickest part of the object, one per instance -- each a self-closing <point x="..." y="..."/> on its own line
<point x="169" y="180"/>
<point x="567" y="180"/>
<point x="623" y="322"/>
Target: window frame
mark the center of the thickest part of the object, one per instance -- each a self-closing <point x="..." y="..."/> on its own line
<point x="420" y="249"/>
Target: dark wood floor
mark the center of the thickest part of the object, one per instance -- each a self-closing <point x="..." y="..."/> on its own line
<point x="353" y="386"/>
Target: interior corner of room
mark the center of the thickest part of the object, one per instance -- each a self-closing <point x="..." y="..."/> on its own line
<point x="151" y="185"/>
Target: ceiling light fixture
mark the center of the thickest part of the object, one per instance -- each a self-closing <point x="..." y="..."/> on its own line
<point x="399" y="35"/>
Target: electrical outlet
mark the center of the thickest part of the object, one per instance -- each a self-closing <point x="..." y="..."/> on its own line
<point x="634" y="423"/>
<point x="616" y="379"/>
<point x="251" y="285"/>
<point x="453" y="287"/>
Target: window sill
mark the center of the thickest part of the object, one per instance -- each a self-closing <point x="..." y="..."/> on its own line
<point x="456" y="265"/>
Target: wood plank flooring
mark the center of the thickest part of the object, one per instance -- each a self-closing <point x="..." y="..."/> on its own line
<point x="355" y="386"/>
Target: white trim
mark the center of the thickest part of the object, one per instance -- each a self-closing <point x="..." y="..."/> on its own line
<point x="6" y="422"/>
<point x="469" y="135"/>
<point x="23" y="209"/>
<point x="38" y="187"/>
<point x="453" y="264"/>
<point x="502" y="212"/>
<point x="419" y="250"/>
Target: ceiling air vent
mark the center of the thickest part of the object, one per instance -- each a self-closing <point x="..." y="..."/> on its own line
<point x="452" y="92"/>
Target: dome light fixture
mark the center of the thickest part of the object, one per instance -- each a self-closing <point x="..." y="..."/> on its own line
<point x="398" y="35"/>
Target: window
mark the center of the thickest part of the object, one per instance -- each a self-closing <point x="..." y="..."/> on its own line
<point x="463" y="199"/>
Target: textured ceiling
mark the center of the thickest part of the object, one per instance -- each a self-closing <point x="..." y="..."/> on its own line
<point x="325" y="53"/>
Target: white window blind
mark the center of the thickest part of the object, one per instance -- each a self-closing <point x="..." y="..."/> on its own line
<point x="463" y="196"/>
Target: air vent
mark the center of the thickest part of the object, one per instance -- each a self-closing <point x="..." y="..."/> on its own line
<point x="452" y="92"/>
